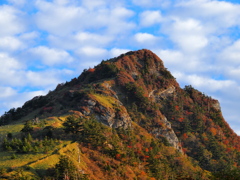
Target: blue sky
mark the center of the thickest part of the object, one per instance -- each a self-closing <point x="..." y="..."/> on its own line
<point x="46" y="42"/>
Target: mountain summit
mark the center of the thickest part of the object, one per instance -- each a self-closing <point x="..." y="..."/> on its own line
<point x="131" y="116"/>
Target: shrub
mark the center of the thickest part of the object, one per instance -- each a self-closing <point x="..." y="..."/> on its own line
<point x="135" y="93"/>
<point x="65" y="169"/>
<point x="28" y="127"/>
<point x="73" y="125"/>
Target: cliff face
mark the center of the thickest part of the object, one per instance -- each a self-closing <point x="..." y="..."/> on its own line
<point x="131" y="84"/>
<point x="165" y="130"/>
<point x="136" y="88"/>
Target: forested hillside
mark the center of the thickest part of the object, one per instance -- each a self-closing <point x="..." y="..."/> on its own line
<point x="126" y="118"/>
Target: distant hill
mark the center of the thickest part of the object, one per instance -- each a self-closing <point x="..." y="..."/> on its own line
<point x="126" y="118"/>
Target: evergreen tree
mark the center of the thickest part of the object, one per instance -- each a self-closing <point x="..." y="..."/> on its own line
<point x="28" y="127"/>
<point x="65" y="169"/>
<point x="73" y="125"/>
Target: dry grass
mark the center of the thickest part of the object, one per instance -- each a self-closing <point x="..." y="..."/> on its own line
<point x="106" y="101"/>
<point x="6" y="160"/>
<point x="45" y="163"/>
<point x="11" y="128"/>
<point x="70" y="150"/>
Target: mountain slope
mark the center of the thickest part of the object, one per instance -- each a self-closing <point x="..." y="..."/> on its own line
<point x="148" y="120"/>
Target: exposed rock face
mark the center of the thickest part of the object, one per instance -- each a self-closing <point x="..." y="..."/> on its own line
<point x="165" y="130"/>
<point x="162" y="94"/>
<point x="114" y="117"/>
<point x="217" y="106"/>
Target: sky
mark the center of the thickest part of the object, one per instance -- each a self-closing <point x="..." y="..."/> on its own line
<point x="47" y="42"/>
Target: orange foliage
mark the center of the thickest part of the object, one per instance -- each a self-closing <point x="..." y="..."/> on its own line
<point x="143" y="173"/>
<point x="226" y="142"/>
<point x="185" y="136"/>
<point x="139" y="152"/>
<point x="118" y="156"/>
<point x="123" y="78"/>
<point x="184" y="150"/>
<point x="35" y="129"/>
<point x="180" y="119"/>
<point x="213" y="131"/>
<point x="228" y="149"/>
<point x="139" y="146"/>
<point x="188" y="113"/>
<point x="152" y="178"/>
<point x="91" y="70"/>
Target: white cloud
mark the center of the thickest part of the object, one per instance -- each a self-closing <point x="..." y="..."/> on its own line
<point x="10" y="74"/>
<point x="46" y="79"/>
<point x="29" y="36"/>
<point x="80" y="39"/>
<point x="149" y="18"/>
<point x="93" y="4"/>
<point x="10" y="43"/>
<point x="92" y="52"/>
<point x="228" y="60"/>
<point x="57" y="18"/>
<point x="14" y="74"/>
<point x="152" y="3"/>
<point x="220" y="13"/>
<point x="231" y="54"/>
<point x="206" y="83"/>
<point x="17" y="2"/>
<point x="10" y="21"/>
<point x="234" y="73"/>
<point x="62" y="19"/>
<point x="6" y="92"/>
<point x="116" y="21"/>
<point x="178" y="61"/>
<point x="115" y="52"/>
<point x="70" y="42"/>
<point x="171" y="56"/>
<point x="98" y="4"/>
<point x="191" y="43"/>
<point x="62" y="2"/>
<point x="8" y="63"/>
<point x="86" y="38"/>
<point x="188" y="34"/>
<point x="18" y="99"/>
<point x="121" y="13"/>
<point x="91" y="56"/>
<point x="145" y="38"/>
<point x="51" y="56"/>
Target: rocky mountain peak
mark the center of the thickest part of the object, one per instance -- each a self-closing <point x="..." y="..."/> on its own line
<point x="135" y="92"/>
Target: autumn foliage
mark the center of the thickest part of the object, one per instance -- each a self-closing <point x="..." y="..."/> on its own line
<point x="134" y="87"/>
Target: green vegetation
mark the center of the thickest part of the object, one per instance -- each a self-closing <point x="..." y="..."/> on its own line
<point x="73" y="125"/>
<point x="27" y="145"/>
<point x="135" y="93"/>
<point x="65" y="169"/>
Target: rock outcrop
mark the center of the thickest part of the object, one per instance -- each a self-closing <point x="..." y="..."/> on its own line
<point x="165" y="130"/>
<point x="162" y="94"/>
<point x="107" y="110"/>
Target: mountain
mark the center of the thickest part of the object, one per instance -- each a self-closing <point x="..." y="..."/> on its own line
<point x="126" y="118"/>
